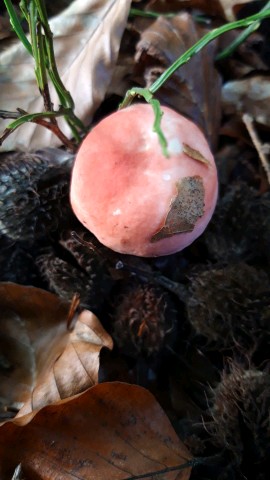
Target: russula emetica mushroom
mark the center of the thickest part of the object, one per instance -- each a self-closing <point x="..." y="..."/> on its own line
<point x="132" y="197"/>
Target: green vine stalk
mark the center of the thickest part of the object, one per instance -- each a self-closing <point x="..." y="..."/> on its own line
<point x="41" y="48"/>
<point x="148" y="93"/>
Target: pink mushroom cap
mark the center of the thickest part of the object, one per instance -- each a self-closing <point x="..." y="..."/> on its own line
<point x="134" y="199"/>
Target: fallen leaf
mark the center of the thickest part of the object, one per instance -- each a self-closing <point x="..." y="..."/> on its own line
<point x="185" y="208"/>
<point x="250" y="95"/>
<point x="112" y="431"/>
<point x="86" y="41"/>
<point x="162" y="42"/>
<point x="75" y="369"/>
<point x="33" y="332"/>
<point x="41" y="360"/>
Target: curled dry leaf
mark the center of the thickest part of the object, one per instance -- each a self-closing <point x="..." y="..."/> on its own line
<point x="86" y="41"/>
<point x="162" y="42"/>
<point x="113" y="430"/>
<point x="41" y="360"/>
<point x="33" y="334"/>
<point x="75" y="369"/>
<point x="250" y="95"/>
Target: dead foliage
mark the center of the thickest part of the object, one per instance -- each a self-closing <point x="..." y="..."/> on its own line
<point x="192" y="328"/>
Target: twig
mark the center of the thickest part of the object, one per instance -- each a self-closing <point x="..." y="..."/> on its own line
<point x="5" y="114"/>
<point x="18" y="473"/>
<point x="249" y="123"/>
<point x="38" y="118"/>
<point x="176" y="288"/>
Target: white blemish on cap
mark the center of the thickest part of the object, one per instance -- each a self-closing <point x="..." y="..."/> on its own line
<point x="166" y="177"/>
<point x="117" y="212"/>
<point x="175" y="146"/>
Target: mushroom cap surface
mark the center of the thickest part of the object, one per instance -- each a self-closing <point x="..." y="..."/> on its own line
<point x="134" y="199"/>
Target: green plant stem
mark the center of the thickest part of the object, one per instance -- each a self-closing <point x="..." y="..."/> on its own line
<point x="148" y="96"/>
<point x="198" y="46"/>
<point x="40" y="118"/>
<point x="30" y="117"/>
<point x="16" y="25"/>
<point x="147" y="93"/>
<point x="63" y="94"/>
<point x="242" y="37"/>
<point x="42" y="50"/>
<point x="35" y="35"/>
<point x="136" y="12"/>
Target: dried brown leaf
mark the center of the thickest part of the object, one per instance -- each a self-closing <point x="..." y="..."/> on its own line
<point x="75" y="369"/>
<point x="33" y="332"/>
<point x="41" y="360"/>
<point x="86" y="41"/>
<point x="112" y="431"/>
<point x="250" y="95"/>
<point x="190" y="93"/>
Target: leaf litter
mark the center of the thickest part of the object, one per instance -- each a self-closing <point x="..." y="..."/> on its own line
<point x="86" y="41"/>
<point x="57" y="362"/>
<point x="193" y="328"/>
<point x="118" y="431"/>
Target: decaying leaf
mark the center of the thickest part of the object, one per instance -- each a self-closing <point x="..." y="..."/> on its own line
<point x="75" y="369"/>
<point x="185" y="209"/>
<point x="112" y="431"/>
<point x="33" y="332"/>
<point x="250" y="95"/>
<point x="195" y="154"/>
<point x="162" y="42"/>
<point x="41" y="360"/>
<point x="86" y="41"/>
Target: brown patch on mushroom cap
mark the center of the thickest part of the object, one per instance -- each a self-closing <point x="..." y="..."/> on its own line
<point x="185" y="209"/>
<point x="195" y="154"/>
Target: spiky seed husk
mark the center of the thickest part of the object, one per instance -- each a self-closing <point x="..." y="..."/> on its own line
<point x="34" y="193"/>
<point x="230" y="306"/>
